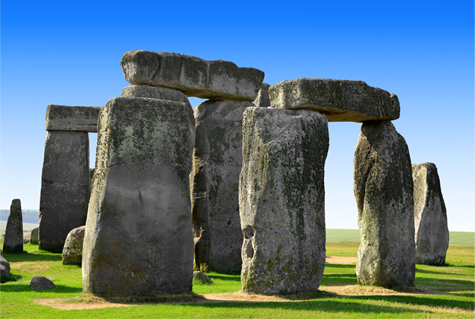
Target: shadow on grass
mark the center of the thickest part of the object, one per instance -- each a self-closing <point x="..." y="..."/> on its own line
<point x="424" y="300"/>
<point x="60" y="289"/>
<point x="424" y="271"/>
<point x="339" y="280"/>
<point x="32" y="256"/>
<point x="225" y="278"/>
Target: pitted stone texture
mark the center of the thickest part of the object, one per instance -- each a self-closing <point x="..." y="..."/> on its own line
<point x="191" y="75"/>
<point x="281" y="200"/>
<point x="41" y="283"/>
<point x="430" y="216"/>
<point x="154" y="92"/>
<point x="262" y="99"/>
<point x="72" y="118"/>
<point x="14" y="229"/>
<point x="72" y="250"/>
<point x="339" y="100"/>
<point x="384" y="196"/>
<point x="34" y="236"/>
<point x="217" y="163"/>
<point x="139" y="237"/>
<point x="64" y="187"/>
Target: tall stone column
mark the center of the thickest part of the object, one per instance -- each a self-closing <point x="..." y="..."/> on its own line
<point x="383" y="190"/>
<point x="139" y="236"/>
<point x="281" y="200"/>
<point x="217" y="163"/>
<point x="14" y="229"/>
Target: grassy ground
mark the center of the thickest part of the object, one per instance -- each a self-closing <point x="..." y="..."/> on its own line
<point x="440" y="292"/>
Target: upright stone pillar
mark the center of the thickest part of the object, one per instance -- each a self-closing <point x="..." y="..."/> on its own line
<point x="281" y="200"/>
<point x="65" y="179"/>
<point x="217" y="163"/>
<point x="14" y="230"/>
<point x="430" y="216"/>
<point x="139" y="236"/>
<point x="384" y="195"/>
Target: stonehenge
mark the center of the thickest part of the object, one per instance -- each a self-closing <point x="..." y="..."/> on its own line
<point x="234" y="184"/>
<point x="14" y="230"/>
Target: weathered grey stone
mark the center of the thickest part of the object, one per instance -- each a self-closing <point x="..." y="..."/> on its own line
<point x="281" y="200"/>
<point x="72" y="250"/>
<point x="64" y="187"/>
<point x="34" y="236"/>
<point x="26" y="239"/>
<point x="198" y="275"/>
<point x="72" y="118"/>
<point x="339" y="100"/>
<point x="384" y="197"/>
<point x="14" y="229"/>
<point x="41" y="283"/>
<point x="139" y="235"/>
<point x="217" y="163"/>
<point x="262" y="99"/>
<point x="4" y="267"/>
<point x="91" y="179"/>
<point x="430" y="216"/>
<point x="191" y="75"/>
<point x="154" y="92"/>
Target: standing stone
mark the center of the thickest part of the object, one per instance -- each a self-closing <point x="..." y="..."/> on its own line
<point x="72" y="251"/>
<point x="384" y="196"/>
<point x="430" y="216"/>
<point x="262" y="99"/>
<point x="64" y="187"/>
<point x="139" y="236"/>
<point x="34" y="236"/>
<point x="217" y="163"/>
<point x="14" y="230"/>
<point x="281" y="200"/>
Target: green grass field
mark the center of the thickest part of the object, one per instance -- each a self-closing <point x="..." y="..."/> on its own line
<point x="440" y="292"/>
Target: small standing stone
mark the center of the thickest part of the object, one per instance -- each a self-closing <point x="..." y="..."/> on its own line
<point x="72" y="251"/>
<point x="34" y="236"/>
<point x="41" y="283"/>
<point x="14" y="230"/>
<point x="430" y="216"/>
<point x="384" y="196"/>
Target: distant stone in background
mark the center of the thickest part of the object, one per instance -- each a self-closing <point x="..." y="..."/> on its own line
<point x="139" y="237"/>
<point x="192" y="75"/>
<point x="72" y="251"/>
<point x="339" y="100"/>
<point x="262" y="99"/>
<point x="217" y="163"/>
<point x="41" y="283"/>
<point x="198" y="275"/>
<point x="430" y="216"/>
<point x="14" y="229"/>
<point x="64" y="187"/>
<point x="282" y="200"/>
<point x="34" y="236"/>
<point x="4" y="266"/>
<point x="384" y="195"/>
<point x="26" y="239"/>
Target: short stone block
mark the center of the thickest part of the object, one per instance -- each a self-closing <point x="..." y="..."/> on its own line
<point x="72" y="118"/>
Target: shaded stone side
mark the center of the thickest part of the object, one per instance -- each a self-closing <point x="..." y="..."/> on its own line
<point x="14" y="229"/>
<point x="72" y="250"/>
<point x="430" y="216"/>
<point x="262" y="99"/>
<point x="64" y="187"/>
<point x="281" y="200"/>
<point x="192" y="75"/>
<point x="217" y="163"/>
<point x="72" y="118"/>
<point x="339" y="100"/>
<point x="154" y="92"/>
<point x="139" y="236"/>
<point x="384" y="196"/>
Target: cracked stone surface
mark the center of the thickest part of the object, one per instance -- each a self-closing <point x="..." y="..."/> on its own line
<point x="282" y="200"/>
<point x="139" y="232"/>
<point x="384" y="196"/>
<point x="192" y="75"/>
<point x="430" y="216"/>
<point x="339" y="100"/>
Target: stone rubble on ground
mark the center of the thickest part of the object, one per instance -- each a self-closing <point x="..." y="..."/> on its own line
<point x="41" y="283"/>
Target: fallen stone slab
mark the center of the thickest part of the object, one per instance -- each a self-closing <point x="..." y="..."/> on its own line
<point x="339" y="100"/>
<point x="4" y="267"/>
<point x="262" y="99"/>
<point x="72" y="118"/>
<point x="191" y="75"/>
<point x="14" y="229"/>
<point x="217" y="163"/>
<point x="200" y="276"/>
<point x="282" y="200"/>
<point x="41" y="283"/>
<point x="384" y="196"/>
<point x="72" y="250"/>
<point x="139" y="237"/>
<point x="154" y="92"/>
<point x="430" y="216"/>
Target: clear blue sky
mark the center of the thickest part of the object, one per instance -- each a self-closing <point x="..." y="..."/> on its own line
<point x="62" y="52"/>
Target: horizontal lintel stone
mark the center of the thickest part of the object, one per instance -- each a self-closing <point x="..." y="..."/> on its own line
<point x="72" y="118"/>
<point x="339" y="100"/>
<point x="192" y="75"/>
